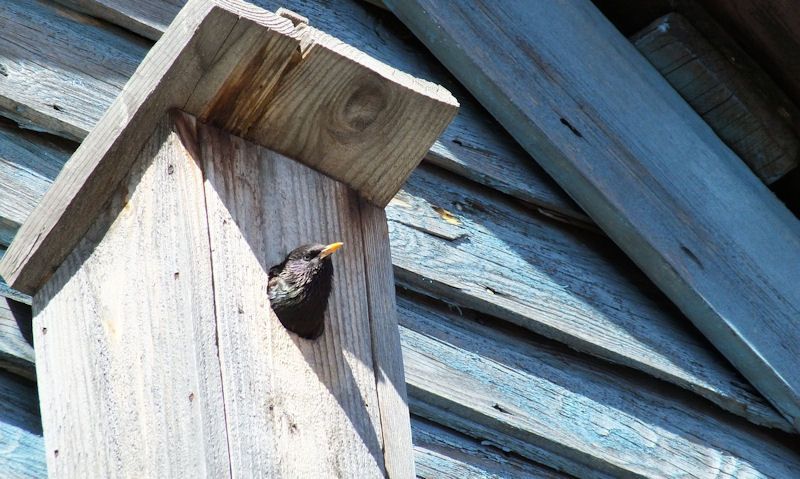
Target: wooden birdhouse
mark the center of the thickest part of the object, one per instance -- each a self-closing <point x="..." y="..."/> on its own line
<point x="242" y="135"/>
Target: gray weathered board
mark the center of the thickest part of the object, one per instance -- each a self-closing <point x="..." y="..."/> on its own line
<point x="473" y="145"/>
<point x="21" y="446"/>
<point x="737" y="100"/>
<point x="608" y="127"/>
<point x="537" y="397"/>
<point x="458" y="242"/>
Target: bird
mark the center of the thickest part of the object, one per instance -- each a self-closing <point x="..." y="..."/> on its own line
<point x="299" y="287"/>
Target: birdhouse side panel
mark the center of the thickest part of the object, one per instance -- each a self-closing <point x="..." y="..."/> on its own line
<point x="125" y="333"/>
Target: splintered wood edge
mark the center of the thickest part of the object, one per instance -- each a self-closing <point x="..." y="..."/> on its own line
<point x="186" y="69"/>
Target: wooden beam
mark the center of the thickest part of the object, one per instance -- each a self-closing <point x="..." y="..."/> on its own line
<point x="472" y="248"/>
<point x="547" y="403"/>
<point x="656" y="179"/>
<point x="737" y="100"/>
<point x="16" y="339"/>
<point x="217" y="55"/>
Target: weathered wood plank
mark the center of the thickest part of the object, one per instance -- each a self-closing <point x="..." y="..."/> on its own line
<point x="16" y="348"/>
<point x="262" y="205"/>
<point x="148" y="18"/>
<point x="738" y="101"/>
<point x="387" y="355"/>
<point x="457" y="241"/>
<point x="21" y="439"/>
<point x="49" y="81"/>
<point x="541" y="393"/>
<point x="28" y="165"/>
<point x="473" y="145"/>
<point x="445" y="454"/>
<point x="720" y="245"/>
<point x="124" y="391"/>
<point x="194" y="60"/>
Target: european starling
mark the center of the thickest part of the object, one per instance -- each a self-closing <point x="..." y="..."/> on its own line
<point x="299" y="287"/>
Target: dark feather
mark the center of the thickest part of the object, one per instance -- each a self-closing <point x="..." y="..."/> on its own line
<point x="299" y="288"/>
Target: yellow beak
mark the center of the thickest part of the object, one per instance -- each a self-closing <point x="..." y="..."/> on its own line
<point x="330" y="249"/>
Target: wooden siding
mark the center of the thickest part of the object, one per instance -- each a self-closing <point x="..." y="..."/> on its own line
<point x="573" y="91"/>
<point x="491" y="228"/>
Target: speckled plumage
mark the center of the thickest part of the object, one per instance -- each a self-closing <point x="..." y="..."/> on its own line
<point x="299" y="288"/>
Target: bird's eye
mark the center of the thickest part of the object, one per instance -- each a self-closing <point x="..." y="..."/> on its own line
<point x="308" y="256"/>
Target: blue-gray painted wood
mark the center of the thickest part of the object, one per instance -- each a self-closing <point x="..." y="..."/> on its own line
<point x="28" y="165"/>
<point x="473" y="145"/>
<point x="498" y="258"/>
<point x="60" y="69"/>
<point x="16" y="338"/>
<point x="22" y="452"/>
<point x="611" y="131"/>
<point x="441" y="453"/>
<point x="543" y="395"/>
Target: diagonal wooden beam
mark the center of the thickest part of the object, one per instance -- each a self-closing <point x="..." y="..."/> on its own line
<point x="613" y="133"/>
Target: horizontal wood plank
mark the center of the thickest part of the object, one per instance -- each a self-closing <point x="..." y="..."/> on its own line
<point x="21" y="442"/>
<point x="16" y="338"/>
<point x="473" y="145"/>
<point x="28" y="165"/>
<point x="544" y="395"/>
<point x="459" y="242"/>
<point x="60" y="69"/>
<point x="445" y="454"/>
<point x="721" y="246"/>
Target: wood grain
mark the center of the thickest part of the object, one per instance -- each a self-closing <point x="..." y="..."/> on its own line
<point x="20" y="430"/>
<point x="474" y="145"/>
<point x="28" y="165"/>
<point x="497" y="258"/>
<point x="295" y="408"/>
<point x="223" y="61"/>
<point x="130" y="382"/>
<point x="721" y="246"/>
<point x="352" y="117"/>
<point x="148" y="18"/>
<point x="738" y="100"/>
<point x="16" y="340"/>
<point x="445" y="454"/>
<point x="61" y="69"/>
<point x="387" y="356"/>
<point x="175" y="73"/>
<point x="543" y="395"/>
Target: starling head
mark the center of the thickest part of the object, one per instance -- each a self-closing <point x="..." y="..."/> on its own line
<point x="299" y="287"/>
